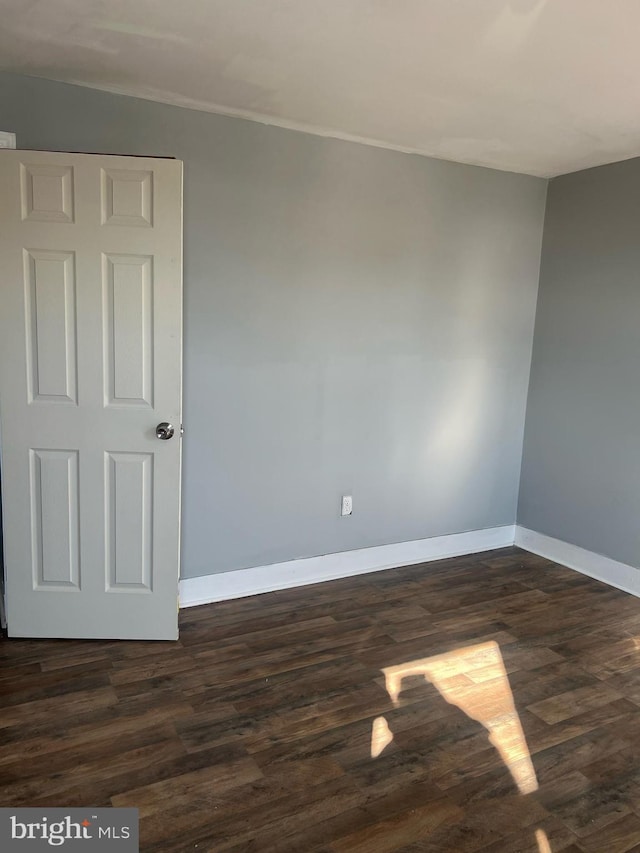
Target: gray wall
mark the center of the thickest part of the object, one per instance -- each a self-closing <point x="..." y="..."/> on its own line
<point x="356" y="321"/>
<point x="581" y="464"/>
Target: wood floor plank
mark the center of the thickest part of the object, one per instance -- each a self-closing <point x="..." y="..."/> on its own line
<point x="415" y="824"/>
<point x="484" y="704"/>
<point x="572" y="702"/>
<point x="618" y="837"/>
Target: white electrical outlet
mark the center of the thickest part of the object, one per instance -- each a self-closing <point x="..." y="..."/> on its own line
<point x="7" y="140"/>
<point x="347" y="505"/>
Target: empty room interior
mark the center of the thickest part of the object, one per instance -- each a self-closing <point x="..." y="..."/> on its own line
<point x="320" y="426"/>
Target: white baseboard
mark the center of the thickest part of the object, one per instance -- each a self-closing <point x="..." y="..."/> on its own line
<point x="244" y="582"/>
<point x="604" y="569"/>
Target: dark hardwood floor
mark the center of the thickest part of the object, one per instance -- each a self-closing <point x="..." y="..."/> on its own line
<point x="487" y="703"/>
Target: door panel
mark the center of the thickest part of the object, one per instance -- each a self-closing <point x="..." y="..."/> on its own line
<point x="127" y="197"/>
<point x="129" y="521"/>
<point x="46" y="191"/>
<point x="128" y="316"/>
<point x="55" y="515"/>
<point x="90" y="362"/>
<point x="50" y="304"/>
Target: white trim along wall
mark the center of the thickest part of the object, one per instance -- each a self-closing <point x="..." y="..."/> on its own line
<point x="604" y="569"/>
<point x="245" y="582"/>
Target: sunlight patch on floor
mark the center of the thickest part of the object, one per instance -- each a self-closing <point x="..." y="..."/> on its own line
<point x="475" y="680"/>
<point x="381" y="736"/>
<point x="543" y="841"/>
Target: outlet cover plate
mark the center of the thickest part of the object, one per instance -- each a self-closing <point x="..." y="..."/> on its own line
<point x="346" y="507"/>
<point x="7" y="139"/>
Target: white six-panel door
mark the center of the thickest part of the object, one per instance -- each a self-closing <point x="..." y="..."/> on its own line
<point x="90" y="364"/>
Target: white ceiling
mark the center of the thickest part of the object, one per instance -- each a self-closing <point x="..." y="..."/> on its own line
<point x="536" y="86"/>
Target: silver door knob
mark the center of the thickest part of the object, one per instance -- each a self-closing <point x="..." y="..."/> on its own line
<point x="164" y="431"/>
